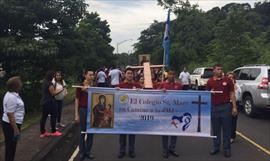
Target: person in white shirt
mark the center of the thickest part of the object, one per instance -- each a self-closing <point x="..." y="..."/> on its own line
<point x="185" y="79"/>
<point x="237" y="91"/>
<point x="115" y="77"/>
<point x="101" y="78"/>
<point x="13" y="116"/>
<point x="59" y="84"/>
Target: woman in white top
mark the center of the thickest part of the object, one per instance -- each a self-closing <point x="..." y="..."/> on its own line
<point x="59" y="84"/>
<point x="237" y="91"/>
<point x="13" y="116"/>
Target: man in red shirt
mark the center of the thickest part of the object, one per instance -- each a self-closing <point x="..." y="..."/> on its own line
<point x="130" y="84"/>
<point x="81" y="100"/>
<point x="170" y="84"/>
<point x="223" y="107"/>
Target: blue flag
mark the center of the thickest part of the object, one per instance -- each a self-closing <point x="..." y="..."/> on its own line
<point x="166" y="41"/>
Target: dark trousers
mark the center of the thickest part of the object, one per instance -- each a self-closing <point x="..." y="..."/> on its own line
<point x="113" y="86"/>
<point x="10" y="144"/>
<point x="102" y="84"/>
<point x="165" y="143"/>
<point x="123" y="142"/>
<point x="48" y="108"/>
<point x="185" y="87"/>
<point x="221" y="118"/>
<point x="59" y="110"/>
<point x="234" y="125"/>
<point x="85" y="146"/>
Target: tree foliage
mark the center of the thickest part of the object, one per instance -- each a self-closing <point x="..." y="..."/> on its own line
<point x="41" y="35"/>
<point x="233" y="35"/>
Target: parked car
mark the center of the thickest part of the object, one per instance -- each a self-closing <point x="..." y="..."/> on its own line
<point x="200" y="76"/>
<point x="254" y="83"/>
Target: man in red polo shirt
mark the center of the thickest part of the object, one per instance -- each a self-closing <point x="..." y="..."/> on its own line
<point x="169" y="84"/>
<point x="130" y="84"/>
<point x="81" y="100"/>
<point x="223" y="107"/>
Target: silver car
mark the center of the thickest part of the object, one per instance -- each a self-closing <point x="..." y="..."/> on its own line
<point x="254" y="83"/>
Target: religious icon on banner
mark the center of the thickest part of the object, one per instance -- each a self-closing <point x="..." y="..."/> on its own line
<point x="102" y="109"/>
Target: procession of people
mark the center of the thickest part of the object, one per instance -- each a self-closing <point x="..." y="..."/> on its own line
<point x="54" y="89"/>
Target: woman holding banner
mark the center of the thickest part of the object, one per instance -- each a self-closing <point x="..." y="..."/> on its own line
<point x="81" y="101"/>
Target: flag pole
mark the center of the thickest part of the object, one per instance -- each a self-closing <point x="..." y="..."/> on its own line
<point x="166" y="45"/>
<point x="163" y="68"/>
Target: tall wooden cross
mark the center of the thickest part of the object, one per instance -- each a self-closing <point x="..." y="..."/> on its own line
<point x="199" y="102"/>
<point x="147" y="73"/>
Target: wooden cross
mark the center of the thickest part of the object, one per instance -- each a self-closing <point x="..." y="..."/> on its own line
<point x="147" y="73"/>
<point x="199" y="102"/>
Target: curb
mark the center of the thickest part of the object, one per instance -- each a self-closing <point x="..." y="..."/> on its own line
<point x="41" y="155"/>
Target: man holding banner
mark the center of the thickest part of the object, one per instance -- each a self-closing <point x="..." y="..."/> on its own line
<point x="222" y="109"/>
<point x="170" y="84"/>
<point x="81" y="103"/>
<point x="130" y="84"/>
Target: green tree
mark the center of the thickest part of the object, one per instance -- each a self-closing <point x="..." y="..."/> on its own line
<point x="94" y="38"/>
<point x="234" y="43"/>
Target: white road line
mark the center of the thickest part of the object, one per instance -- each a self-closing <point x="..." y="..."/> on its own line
<point x="254" y="143"/>
<point x="74" y="154"/>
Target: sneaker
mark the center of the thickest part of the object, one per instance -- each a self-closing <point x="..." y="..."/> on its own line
<point x="45" y="134"/>
<point x="56" y="133"/>
<point x="60" y="125"/>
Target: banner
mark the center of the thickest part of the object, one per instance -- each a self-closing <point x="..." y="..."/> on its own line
<point x="152" y="112"/>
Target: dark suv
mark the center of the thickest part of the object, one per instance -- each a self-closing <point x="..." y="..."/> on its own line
<point x="254" y="83"/>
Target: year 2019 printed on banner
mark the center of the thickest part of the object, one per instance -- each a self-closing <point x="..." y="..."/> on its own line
<point x="152" y="112"/>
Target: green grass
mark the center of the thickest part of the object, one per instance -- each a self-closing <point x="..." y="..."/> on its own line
<point x="34" y="117"/>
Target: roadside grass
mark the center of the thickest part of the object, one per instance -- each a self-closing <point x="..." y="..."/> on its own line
<point x="34" y="117"/>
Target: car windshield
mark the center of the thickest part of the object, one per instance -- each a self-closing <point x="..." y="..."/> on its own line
<point x="208" y="73"/>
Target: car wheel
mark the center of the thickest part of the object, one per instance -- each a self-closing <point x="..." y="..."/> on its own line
<point x="248" y="106"/>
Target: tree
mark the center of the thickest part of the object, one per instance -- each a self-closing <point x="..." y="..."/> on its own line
<point x="94" y="38"/>
<point x="37" y="36"/>
<point x="233" y="44"/>
<point x="150" y="42"/>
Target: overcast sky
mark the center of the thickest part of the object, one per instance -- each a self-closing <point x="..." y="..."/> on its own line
<point x="127" y="18"/>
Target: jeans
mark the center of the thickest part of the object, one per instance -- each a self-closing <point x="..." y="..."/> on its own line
<point x="234" y="125"/>
<point x="48" y="108"/>
<point x="85" y="146"/>
<point x="221" y="118"/>
<point x="59" y="110"/>
<point x="10" y="144"/>
<point x="102" y="84"/>
<point x="123" y="142"/>
<point x="165" y="142"/>
<point x="185" y="87"/>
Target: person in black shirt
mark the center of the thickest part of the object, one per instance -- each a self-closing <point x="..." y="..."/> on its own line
<point x="49" y="105"/>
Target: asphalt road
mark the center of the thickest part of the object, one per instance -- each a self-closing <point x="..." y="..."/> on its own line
<point x="257" y="129"/>
<point x="148" y="148"/>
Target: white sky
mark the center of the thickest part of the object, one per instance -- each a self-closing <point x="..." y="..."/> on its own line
<point x="127" y="18"/>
